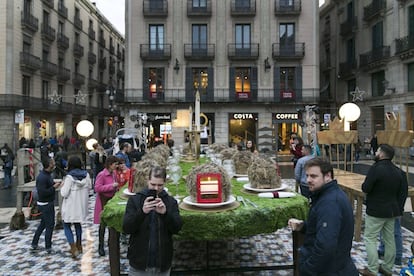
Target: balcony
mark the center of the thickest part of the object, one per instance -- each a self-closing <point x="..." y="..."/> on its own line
<point x="347" y="69"/>
<point x="120" y="74"/>
<point x="102" y="42"/>
<point x="92" y="83"/>
<point x="62" y="10"/>
<point x="288" y="7"/>
<point x="29" y="62"/>
<point x="404" y="47"/>
<point x="155" y="8"/>
<point x="91" y="58"/>
<point x="378" y="57"/>
<point x="48" y="3"/>
<point x="77" y="50"/>
<point x="91" y="33"/>
<point x="198" y="10"/>
<point x="169" y="96"/>
<point x="111" y="49"/>
<point x="102" y="63"/>
<point x="49" y="69"/>
<point x="29" y="22"/>
<point x="288" y="51"/>
<point x="236" y="51"/>
<point x="78" y="79"/>
<point x="62" y="41"/>
<point x="101" y="87"/>
<point x="155" y="52"/>
<point x="119" y="54"/>
<point x="48" y="33"/>
<point x="63" y="74"/>
<point x="199" y="51"/>
<point x="349" y="26"/>
<point x="77" y="22"/>
<point x="374" y="10"/>
<point x="243" y="8"/>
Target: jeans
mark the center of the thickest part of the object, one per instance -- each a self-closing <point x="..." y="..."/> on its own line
<point x="68" y="232"/>
<point x="398" y="241"/>
<point x="373" y="227"/>
<point x="7" y="177"/>
<point x="47" y="221"/>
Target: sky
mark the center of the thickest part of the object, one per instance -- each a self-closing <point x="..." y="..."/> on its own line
<point x="114" y="11"/>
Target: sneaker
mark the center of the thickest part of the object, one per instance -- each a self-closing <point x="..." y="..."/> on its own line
<point x="366" y="272"/>
<point x="34" y="248"/>
<point x="50" y="251"/>
<point x="383" y="271"/>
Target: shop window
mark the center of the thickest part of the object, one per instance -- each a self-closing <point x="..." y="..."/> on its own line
<point x="410" y="69"/>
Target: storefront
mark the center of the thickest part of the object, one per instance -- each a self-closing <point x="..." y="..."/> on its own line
<point x="242" y="127"/>
<point x="286" y="123"/>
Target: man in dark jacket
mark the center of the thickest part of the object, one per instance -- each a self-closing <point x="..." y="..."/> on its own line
<point x="46" y="189"/>
<point x="386" y="190"/>
<point x="151" y="217"/>
<point x="329" y="229"/>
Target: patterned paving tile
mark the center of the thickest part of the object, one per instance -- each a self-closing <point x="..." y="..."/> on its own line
<point x="260" y="250"/>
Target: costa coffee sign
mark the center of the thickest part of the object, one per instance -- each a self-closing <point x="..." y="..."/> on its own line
<point x="244" y="116"/>
<point x="285" y="116"/>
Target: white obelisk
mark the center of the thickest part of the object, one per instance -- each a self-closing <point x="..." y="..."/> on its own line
<point x="197" y="111"/>
<point x="190" y="117"/>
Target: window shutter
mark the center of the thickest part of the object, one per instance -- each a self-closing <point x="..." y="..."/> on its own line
<point x="298" y="84"/>
<point x="232" y="92"/>
<point x="189" y="86"/>
<point x="145" y="85"/>
<point x="276" y="83"/>
<point x="253" y="83"/>
<point x="210" y="86"/>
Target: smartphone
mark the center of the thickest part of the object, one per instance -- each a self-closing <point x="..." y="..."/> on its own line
<point x="152" y="193"/>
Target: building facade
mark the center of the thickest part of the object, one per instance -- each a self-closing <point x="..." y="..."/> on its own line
<point x="368" y="46"/>
<point x="255" y="64"/>
<point x="61" y="61"/>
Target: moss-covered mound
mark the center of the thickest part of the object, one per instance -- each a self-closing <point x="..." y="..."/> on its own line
<point x="228" y="153"/>
<point x="141" y="171"/>
<point x="191" y="180"/>
<point x="263" y="174"/>
<point x="242" y="161"/>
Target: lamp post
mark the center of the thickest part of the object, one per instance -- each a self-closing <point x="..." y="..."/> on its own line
<point x="84" y="129"/>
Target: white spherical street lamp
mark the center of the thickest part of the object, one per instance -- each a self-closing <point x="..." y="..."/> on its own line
<point x="84" y="128"/>
<point x="349" y="112"/>
<point x="90" y="143"/>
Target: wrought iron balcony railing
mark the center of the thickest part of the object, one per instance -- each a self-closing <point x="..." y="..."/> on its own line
<point x="48" y="33"/>
<point x="288" y="51"/>
<point x="91" y="58"/>
<point x="77" y="22"/>
<point x="102" y="63"/>
<point x="375" y="58"/>
<point x="77" y="50"/>
<point x="62" y="10"/>
<point x="91" y="33"/>
<point x="199" y="51"/>
<point x="92" y="83"/>
<point x="49" y="68"/>
<point x="404" y="47"/>
<point x="102" y="41"/>
<point x="349" y="26"/>
<point x="78" y="79"/>
<point x="111" y="49"/>
<point x="62" y="41"/>
<point x="243" y="7"/>
<point x="63" y="74"/>
<point x="347" y="69"/>
<point x="155" y="51"/>
<point x="29" y="22"/>
<point x="246" y="51"/>
<point x="198" y="8"/>
<point x="29" y="62"/>
<point x="155" y="8"/>
<point x="288" y="7"/>
<point x="375" y="9"/>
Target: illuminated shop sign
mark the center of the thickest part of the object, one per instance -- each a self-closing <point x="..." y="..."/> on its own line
<point x="159" y="116"/>
<point x="244" y="116"/>
<point x="286" y="116"/>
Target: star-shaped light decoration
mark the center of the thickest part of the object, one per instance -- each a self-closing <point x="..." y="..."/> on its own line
<point x="80" y="98"/>
<point x="357" y="95"/>
<point x="55" y="98"/>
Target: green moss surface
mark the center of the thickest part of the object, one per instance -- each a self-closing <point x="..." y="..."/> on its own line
<point x="270" y="215"/>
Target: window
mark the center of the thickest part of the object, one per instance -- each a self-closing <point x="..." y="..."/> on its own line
<point x="350" y="50"/>
<point x="287" y="82"/>
<point x="242" y="83"/>
<point x="242" y="4"/>
<point x="199" y="38"/>
<point x="26" y="47"/>
<point x="77" y="13"/>
<point x="377" y="84"/>
<point x="351" y="87"/>
<point x="156" y="5"/>
<point x="377" y="36"/>
<point x="45" y="90"/>
<point x="200" y="80"/>
<point x="60" y="89"/>
<point x="410" y="69"/>
<point x="26" y="85"/>
<point x="46" y="17"/>
<point x="61" y="27"/>
<point x="242" y="36"/>
<point x="350" y="11"/>
<point x="156" y="37"/>
<point x="199" y="3"/>
<point x="77" y="38"/>
<point x="287" y="38"/>
<point x="27" y="7"/>
<point x="156" y="80"/>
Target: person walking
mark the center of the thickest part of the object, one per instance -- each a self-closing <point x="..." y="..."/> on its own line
<point x="8" y="157"/>
<point x="75" y="194"/>
<point x="300" y="172"/>
<point x="46" y="189"/>
<point x="386" y="190"/>
<point x="329" y="229"/>
<point x="151" y="218"/>
<point x="123" y="153"/>
<point x="105" y="188"/>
